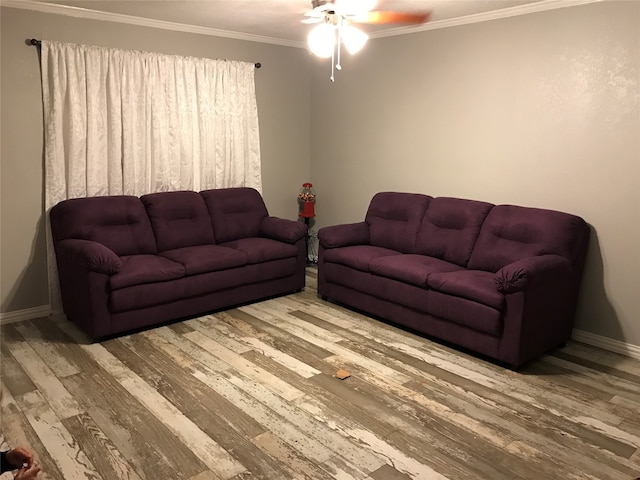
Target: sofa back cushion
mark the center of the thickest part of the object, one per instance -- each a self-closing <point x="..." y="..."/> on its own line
<point x="512" y="233"/>
<point x="394" y="219"/>
<point x="118" y="222"/>
<point x="235" y="212"/>
<point x="179" y="219"/>
<point x="450" y="228"/>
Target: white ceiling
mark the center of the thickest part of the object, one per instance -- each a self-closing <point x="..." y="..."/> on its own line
<point x="278" y="21"/>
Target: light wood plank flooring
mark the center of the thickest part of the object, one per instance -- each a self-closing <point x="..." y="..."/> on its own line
<point x="251" y="393"/>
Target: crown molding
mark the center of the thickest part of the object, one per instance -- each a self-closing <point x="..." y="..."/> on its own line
<point x="541" y="6"/>
<point x="143" y="22"/>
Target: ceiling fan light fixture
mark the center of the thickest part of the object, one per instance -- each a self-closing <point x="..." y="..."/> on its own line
<point x="337" y="16"/>
<point x="353" y="38"/>
<point x="322" y="40"/>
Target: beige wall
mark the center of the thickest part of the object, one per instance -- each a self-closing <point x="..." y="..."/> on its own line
<point x="282" y="89"/>
<point x="538" y="110"/>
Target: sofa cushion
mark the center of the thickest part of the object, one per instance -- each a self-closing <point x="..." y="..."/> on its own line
<point x="206" y="258"/>
<point x="394" y="219"/>
<point x="465" y="312"/>
<point x="235" y="212"/>
<point x="472" y="284"/>
<point x="179" y="219"/>
<point x="139" y="269"/>
<point x="413" y="269"/>
<point x="512" y="233"/>
<point x="383" y="288"/>
<point x="147" y="295"/>
<point x="357" y="256"/>
<point x="221" y="284"/>
<point x="118" y="222"/>
<point x="210" y="282"/>
<point x="450" y="228"/>
<point x="259" y="250"/>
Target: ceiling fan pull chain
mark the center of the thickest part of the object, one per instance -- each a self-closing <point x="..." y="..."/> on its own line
<point x="332" y="65"/>
<point x="339" y="42"/>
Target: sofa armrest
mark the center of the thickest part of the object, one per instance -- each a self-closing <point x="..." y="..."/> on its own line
<point x="281" y="229"/>
<point x="531" y="271"/>
<point x="344" y="235"/>
<point x="93" y="256"/>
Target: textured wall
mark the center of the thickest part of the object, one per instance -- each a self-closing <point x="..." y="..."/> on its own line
<point x="282" y="90"/>
<point x="539" y="110"/>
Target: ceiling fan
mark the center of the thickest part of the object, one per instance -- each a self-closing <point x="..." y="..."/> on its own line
<point x="335" y="19"/>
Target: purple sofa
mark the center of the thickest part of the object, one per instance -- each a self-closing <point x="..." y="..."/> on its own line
<point x="126" y="263"/>
<point x="499" y="280"/>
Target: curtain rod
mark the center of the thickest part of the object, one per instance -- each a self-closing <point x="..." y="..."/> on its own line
<point x="37" y="43"/>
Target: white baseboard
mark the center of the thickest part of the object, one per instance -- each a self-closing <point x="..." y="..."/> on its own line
<point x="606" y="343"/>
<point x="26" y="314"/>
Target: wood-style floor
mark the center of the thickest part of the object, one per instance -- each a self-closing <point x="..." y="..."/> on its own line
<point x="250" y="393"/>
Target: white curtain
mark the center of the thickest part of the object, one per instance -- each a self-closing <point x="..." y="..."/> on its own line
<point x="129" y="122"/>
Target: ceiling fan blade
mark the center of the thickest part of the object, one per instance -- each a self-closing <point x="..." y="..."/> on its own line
<point x="311" y="20"/>
<point x="378" y="17"/>
<point x="324" y="7"/>
<point x="355" y="7"/>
